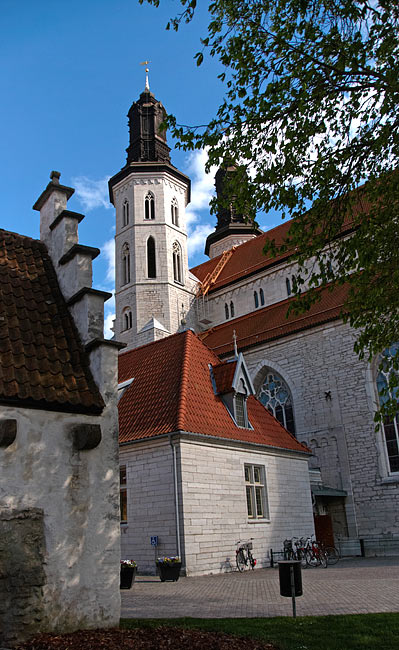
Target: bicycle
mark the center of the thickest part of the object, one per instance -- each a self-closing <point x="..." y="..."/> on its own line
<point x="315" y="554"/>
<point x="332" y="554"/>
<point x="294" y="549"/>
<point x="244" y="556"/>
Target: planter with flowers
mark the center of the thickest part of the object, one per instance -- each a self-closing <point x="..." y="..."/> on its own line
<point x="128" y="573"/>
<point x="169" y="568"/>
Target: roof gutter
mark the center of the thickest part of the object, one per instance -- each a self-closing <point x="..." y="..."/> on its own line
<point x="176" y="494"/>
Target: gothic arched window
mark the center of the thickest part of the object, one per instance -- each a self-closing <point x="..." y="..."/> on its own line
<point x="125" y="264"/>
<point x="232" y="309"/>
<point x="174" y="208"/>
<point x="151" y="262"/>
<point x="127" y="319"/>
<point x="149" y="206"/>
<point x="288" y="285"/>
<point x="256" y="300"/>
<point x="125" y="212"/>
<point x="177" y="265"/>
<point x="226" y="310"/>
<point x="262" y="297"/>
<point x="391" y="424"/>
<point x="276" y="397"/>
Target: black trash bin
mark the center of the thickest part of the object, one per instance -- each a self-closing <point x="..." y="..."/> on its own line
<point x="284" y="570"/>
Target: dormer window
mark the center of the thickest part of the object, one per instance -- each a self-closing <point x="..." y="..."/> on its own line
<point x="231" y="381"/>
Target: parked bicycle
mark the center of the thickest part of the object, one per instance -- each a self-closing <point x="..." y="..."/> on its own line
<point x="294" y="549"/>
<point x="244" y="556"/>
<point x="310" y="552"/>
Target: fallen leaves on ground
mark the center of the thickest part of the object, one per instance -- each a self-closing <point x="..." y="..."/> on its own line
<point x="159" y="638"/>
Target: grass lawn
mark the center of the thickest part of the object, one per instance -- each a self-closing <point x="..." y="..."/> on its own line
<point x="352" y="632"/>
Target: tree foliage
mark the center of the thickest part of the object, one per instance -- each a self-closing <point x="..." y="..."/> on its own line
<point x="310" y="110"/>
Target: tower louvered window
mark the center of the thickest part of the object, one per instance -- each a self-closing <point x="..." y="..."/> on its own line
<point x="149" y="206"/>
<point x="125" y="210"/>
<point x="174" y="208"/>
<point x="125" y="264"/>
<point x="151" y="261"/>
<point x="177" y="265"/>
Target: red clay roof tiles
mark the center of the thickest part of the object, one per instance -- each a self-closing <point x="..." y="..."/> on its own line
<point x="172" y="391"/>
<point x="271" y="322"/>
<point x="42" y="361"/>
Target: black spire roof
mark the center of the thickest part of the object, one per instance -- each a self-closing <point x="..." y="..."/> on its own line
<point x="229" y="221"/>
<point x="147" y="141"/>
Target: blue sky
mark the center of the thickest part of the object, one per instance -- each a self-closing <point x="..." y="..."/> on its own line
<point x="69" y="71"/>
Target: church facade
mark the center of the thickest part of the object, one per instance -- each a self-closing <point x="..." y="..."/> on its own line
<point x="303" y="368"/>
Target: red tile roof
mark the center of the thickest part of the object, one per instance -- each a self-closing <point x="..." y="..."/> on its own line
<point x="223" y="374"/>
<point x="272" y="323"/>
<point x="249" y="258"/>
<point x="172" y="391"/>
<point x="42" y="362"/>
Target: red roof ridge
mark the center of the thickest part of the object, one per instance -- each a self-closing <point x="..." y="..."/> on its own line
<point x="181" y="409"/>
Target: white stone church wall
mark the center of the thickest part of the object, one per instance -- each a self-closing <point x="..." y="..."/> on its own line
<point x="340" y="430"/>
<point x="215" y="510"/>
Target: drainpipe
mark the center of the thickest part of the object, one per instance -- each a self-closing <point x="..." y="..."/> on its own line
<point x="176" y="497"/>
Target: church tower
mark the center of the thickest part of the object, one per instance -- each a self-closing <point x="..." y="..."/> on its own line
<point x="153" y="288"/>
<point x="232" y="228"/>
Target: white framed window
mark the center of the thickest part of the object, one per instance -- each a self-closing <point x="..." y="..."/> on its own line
<point x="174" y="208"/>
<point x="125" y="213"/>
<point x="149" y="206"/>
<point x="256" y="492"/>
<point x="391" y="424"/>
<point x="125" y="264"/>
<point x="177" y="265"/>
<point x="123" y="493"/>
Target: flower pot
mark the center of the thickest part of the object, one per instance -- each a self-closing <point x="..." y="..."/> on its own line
<point x="169" y="571"/>
<point x="128" y="574"/>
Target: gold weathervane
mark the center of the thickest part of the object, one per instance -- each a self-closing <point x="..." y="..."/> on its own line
<point x="146" y="63"/>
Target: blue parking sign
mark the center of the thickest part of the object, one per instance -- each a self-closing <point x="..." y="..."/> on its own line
<point x="154" y="540"/>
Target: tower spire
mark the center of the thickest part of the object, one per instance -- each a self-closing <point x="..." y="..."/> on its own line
<point x="147" y="85"/>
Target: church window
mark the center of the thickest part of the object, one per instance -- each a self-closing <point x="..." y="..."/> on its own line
<point x="276" y="397"/>
<point x="232" y="309"/>
<point x="391" y="424"/>
<point x="127" y="319"/>
<point x="262" y="297"/>
<point x="125" y="210"/>
<point x="123" y="493"/>
<point x="125" y="264"/>
<point x="288" y="285"/>
<point x="149" y="206"/>
<point x="177" y="265"/>
<point x="256" y="492"/>
<point x="151" y="262"/>
<point x="226" y="310"/>
<point x="175" y="212"/>
<point x="256" y="299"/>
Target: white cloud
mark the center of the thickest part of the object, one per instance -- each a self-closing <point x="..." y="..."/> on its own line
<point x="108" y="323"/>
<point x="92" y="194"/>
<point x="108" y="248"/>
<point x="202" y="190"/>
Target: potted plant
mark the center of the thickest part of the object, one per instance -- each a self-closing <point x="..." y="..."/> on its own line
<point x="128" y="573"/>
<point x="169" y="568"/>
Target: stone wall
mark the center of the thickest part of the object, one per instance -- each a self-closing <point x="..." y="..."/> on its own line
<point x="215" y="509"/>
<point x="62" y="504"/>
<point x="340" y="430"/>
<point x="22" y="576"/>
<point x="212" y="503"/>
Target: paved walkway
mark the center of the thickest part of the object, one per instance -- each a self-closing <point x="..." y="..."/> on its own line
<point x="353" y="586"/>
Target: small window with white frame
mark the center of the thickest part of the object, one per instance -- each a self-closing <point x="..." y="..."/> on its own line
<point x="123" y="493"/>
<point x="256" y="492"/>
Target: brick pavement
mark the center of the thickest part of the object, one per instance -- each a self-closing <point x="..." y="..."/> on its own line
<point x="353" y="586"/>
